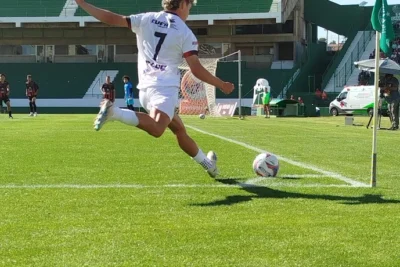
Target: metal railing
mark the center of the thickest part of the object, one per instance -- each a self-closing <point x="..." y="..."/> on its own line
<point x="342" y="75"/>
<point x="291" y="79"/>
<point x="327" y="75"/>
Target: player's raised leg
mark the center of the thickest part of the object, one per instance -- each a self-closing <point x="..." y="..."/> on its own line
<point x="160" y="105"/>
<point x="154" y="123"/>
<point x="189" y="146"/>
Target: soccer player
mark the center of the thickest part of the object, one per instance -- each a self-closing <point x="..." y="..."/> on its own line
<point x="128" y="92"/>
<point x="163" y="39"/>
<point x="108" y="90"/>
<point x="32" y="90"/>
<point x="5" y="93"/>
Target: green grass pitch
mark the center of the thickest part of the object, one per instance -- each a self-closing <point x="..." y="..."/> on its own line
<point x="71" y="196"/>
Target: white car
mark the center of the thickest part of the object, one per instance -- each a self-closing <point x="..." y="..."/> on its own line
<point x="357" y="100"/>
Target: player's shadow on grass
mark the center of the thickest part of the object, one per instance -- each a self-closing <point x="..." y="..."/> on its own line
<point x="266" y="192"/>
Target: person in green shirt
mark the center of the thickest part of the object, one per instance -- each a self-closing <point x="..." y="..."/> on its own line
<point x="266" y="100"/>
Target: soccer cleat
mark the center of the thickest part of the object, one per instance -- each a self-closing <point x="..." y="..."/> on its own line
<point x="212" y="171"/>
<point x="105" y="113"/>
<point x="31" y="114"/>
<point x="35" y="114"/>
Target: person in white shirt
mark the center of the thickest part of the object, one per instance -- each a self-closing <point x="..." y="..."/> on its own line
<point x="163" y="39"/>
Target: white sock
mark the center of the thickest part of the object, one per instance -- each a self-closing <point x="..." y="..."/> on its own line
<point x="125" y="116"/>
<point x="203" y="160"/>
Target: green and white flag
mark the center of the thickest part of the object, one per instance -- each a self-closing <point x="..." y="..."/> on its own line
<point x="382" y="22"/>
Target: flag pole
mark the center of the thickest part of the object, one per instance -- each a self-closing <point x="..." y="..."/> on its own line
<point x="376" y="103"/>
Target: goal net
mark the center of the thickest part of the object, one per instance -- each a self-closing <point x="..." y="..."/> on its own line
<point x="197" y="97"/>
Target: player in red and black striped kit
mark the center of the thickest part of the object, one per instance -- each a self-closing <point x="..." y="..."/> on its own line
<point x="5" y="93"/>
<point x="108" y="90"/>
<point x="32" y="90"/>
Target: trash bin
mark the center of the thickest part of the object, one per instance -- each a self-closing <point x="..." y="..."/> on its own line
<point x="309" y="110"/>
<point x="348" y="120"/>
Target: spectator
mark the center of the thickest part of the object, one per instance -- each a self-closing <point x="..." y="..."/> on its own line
<point x="363" y="78"/>
<point x="300" y="100"/>
<point x="318" y="93"/>
<point x="292" y="97"/>
<point x="324" y="96"/>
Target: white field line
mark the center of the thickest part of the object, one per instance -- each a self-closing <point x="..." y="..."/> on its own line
<point x="101" y="186"/>
<point x="289" y="176"/>
<point x="254" y="182"/>
<point x="138" y="186"/>
<point x="287" y="160"/>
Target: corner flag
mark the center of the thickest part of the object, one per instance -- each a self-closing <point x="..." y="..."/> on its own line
<point x="382" y="22"/>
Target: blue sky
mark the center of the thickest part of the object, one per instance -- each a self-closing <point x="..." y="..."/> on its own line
<point x="333" y="36"/>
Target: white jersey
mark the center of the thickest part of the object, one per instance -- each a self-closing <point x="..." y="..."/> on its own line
<point x="163" y="40"/>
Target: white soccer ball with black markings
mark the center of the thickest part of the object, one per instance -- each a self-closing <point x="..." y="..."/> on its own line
<point x="266" y="165"/>
<point x="202" y="116"/>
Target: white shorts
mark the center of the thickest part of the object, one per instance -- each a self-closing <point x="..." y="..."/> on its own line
<point x="164" y="99"/>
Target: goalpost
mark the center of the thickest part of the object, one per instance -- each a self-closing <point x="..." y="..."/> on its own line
<point x="197" y="97"/>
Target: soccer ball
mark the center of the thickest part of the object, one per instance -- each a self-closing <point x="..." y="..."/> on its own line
<point x="202" y="116"/>
<point x="266" y="165"/>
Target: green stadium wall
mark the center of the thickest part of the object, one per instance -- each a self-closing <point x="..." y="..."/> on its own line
<point x="203" y="7"/>
<point x="317" y="60"/>
<point x="67" y="83"/>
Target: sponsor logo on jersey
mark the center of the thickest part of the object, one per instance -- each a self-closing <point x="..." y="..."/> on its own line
<point x="156" y="66"/>
<point x="163" y="24"/>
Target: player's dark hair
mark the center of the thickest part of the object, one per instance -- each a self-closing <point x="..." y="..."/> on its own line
<point x="126" y="77"/>
<point x="174" y="4"/>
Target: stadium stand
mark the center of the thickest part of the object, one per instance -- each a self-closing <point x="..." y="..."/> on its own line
<point x="205" y="7"/>
<point x="31" y="8"/>
<point x="53" y="8"/>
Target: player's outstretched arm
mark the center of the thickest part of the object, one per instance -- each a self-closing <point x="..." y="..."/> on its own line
<point x="201" y="73"/>
<point x="103" y="15"/>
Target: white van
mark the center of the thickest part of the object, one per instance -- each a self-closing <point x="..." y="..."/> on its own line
<point x="354" y="100"/>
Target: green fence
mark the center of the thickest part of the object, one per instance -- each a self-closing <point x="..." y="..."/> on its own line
<point x="72" y="80"/>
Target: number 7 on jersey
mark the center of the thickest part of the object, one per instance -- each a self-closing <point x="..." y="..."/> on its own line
<point x="159" y="44"/>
